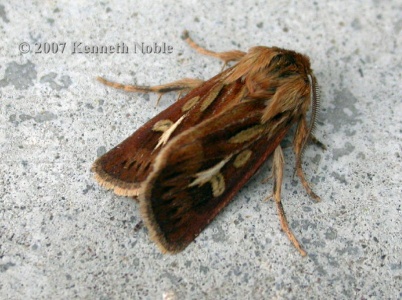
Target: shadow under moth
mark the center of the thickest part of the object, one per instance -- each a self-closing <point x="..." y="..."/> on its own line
<point x="188" y="162"/>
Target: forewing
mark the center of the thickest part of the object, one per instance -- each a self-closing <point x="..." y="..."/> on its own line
<point x="127" y="165"/>
<point x="200" y="171"/>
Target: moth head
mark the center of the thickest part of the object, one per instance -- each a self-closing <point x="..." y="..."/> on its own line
<point x="289" y="86"/>
<point x="301" y="65"/>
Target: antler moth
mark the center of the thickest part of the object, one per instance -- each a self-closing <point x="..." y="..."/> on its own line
<point x="188" y="162"/>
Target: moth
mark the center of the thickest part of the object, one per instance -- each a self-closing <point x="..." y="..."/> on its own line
<point x="188" y="162"/>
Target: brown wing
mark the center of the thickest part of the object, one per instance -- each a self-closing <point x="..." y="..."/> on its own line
<point x="127" y="165"/>
<point x="201" y="170"/>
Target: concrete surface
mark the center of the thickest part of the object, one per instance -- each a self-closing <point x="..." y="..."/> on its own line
<point x="62" y="236"/>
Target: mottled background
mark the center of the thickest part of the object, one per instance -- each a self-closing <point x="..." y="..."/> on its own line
<point x="63" y="236"/>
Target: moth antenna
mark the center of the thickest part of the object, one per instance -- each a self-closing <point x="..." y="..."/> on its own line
<point x="315" y="100"/>
<point x="316" y="105"/>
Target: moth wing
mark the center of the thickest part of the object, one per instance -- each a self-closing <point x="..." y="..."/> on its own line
<point x="200" y="171"/>
<point x="125" y="167"/>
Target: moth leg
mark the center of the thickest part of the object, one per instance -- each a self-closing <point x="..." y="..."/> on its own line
<point x="299" y="143"/>
<point x="180" y="86"/>
<point x="277" y="171"/>
<point x="318" y="142"/>
<point x="268" y="178"/>
<point x="227" y="56"/>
